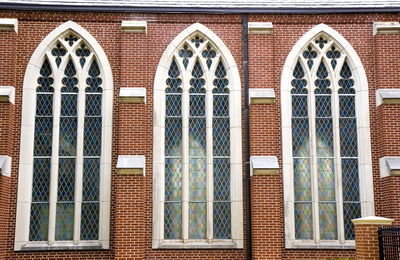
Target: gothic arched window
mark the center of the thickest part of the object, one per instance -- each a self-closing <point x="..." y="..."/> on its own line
<point x="68" y="166"/>
<point x="325" y="165"/>
<point x="199" y="172"/>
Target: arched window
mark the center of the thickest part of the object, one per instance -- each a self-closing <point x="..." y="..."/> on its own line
<point x="64" y="178"/>
<point x="326" y="146"/>
<point x="198" y="162"/>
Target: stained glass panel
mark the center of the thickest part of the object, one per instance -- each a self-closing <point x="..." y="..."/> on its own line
<point x="173" y="220"/>
<point x="197" y="220"/>
<point x="303" y="220"/>
<point x="90" y="221"/>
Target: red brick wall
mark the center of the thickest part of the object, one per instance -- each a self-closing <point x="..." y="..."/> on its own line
<point x="134" y="58"/>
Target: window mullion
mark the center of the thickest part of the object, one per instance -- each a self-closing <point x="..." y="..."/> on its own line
<point x="209" y="154"/>
<point x="79" y="161"/>
<point x="54" y="161"/>
<point x="313" y="160"/>
<point x="185" y="156"/>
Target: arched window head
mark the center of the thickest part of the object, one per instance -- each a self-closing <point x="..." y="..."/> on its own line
<point x="66" y="158"/>
<point x="199" y="156"/>
<point x="323" y="136"/>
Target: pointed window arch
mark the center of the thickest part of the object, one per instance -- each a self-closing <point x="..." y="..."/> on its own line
<point x="64" y="177"/>
<point x="326" y="149"/>
<point x="197" y="144"/>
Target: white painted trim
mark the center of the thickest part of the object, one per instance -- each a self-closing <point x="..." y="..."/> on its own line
<point x="373" y="220"/>
<point x="27" y="135"/>
<point x="363" y="131"/>
<point x="263" y="163"/>
<point x="260" y="27"/>
<point x="5" y="165"/>
<point x="134" y="26"/>
<point x="7" y="24"/>
<point x="8" y="92"/>
<point x="132" y="162"/>
<point x="386" y="27"/>
<point x="261" y="93"/>
<point x="387" y="96"/>
<point x="158" y="139"/>
<point x="133" y="93"/>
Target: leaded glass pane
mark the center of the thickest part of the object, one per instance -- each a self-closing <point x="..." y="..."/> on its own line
<point x="44" y="104"/>
<point x="300" y="137"/>
<point x="92" y="136"/>
<point x="90" y="221"/>
<point x="91" y="179"/>
<point x="326" y="180"/>
<point x="65" y="221"/>
<point x="197" y="137"/>
<point x="350" y="180"/>
<point x="324" y="134"/>
<point x="222" y="179"/>
<point x="39" y="222"/>
<point x="173" y="105"/>
<point x="93" y="105"/>
<point x="348" y="137"/>
<point x="70" y="80"/>
<point x="197" y="179"/>
<point x="43" y="136"/>
<point x="173" y="137"/>
<point x="173" y="179"/>
<point x="173" y="220"/>
<point x="197" y="220"/>
<point x="221" y="136"/>
<point x="327" y="221"/>
<point x="94" y="80"/>
<point x="68" y="134"/>
<point x="350" y="211"/>
<point x="303" y="220"/>
<point x="41" y="179"/>
<point x="222" y="220"/>
<point x="302" y="179"/>
<point x="66" y="180"/>
<point x="197" y="105"/>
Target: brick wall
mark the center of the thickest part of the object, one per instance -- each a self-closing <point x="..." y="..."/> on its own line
<point x="134" y="58"/>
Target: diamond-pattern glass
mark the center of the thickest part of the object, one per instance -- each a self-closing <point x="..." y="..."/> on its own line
<point x="43" y="136"/>
<point x="197" y="220"/>
<point x="173" y="220"/>
<point x="197" y="105"/>
<point x="324" y="134"/>
<point x="347" y="106"/>
<point x="39" y="222"/>
<point x="350" y="180"/>
<point x="65" y="221"/>
<point x="222" y="179"/>
<point x="221" y="137"/>
<point x="197" y="179"/>
<point x="173" y="136"/>
<point x="197" y="137"/>
<point x="92" y="136"/>
<point x="221" y="105"/>
<point x="90" y="221"/>
<point x="93" y="105"/>
<point x="68" y="132"/>
<point x="300" y="137"/>
<point x="302" y="179"/>
<point x="173" y="179"/>
<point x="222" y="220"/>
<point x="69" y="104"/>
<point x="327" y="221"/>
<point x="303" y="220"/>
<point x="66" y="180"/>
<point x="323" y="106"/>
<point x="299" y="106"/>
<point x="173" y="105"/>
<point x="41" y="179"/>
<point x="91" y="179"/>
<point x="348" y="137"/>
<point x="350" y="211"/>
<point x="326" y="180"/>
<point x="44" y="104"/>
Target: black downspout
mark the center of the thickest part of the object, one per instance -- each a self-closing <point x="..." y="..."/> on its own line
<point x="245" y="42"/>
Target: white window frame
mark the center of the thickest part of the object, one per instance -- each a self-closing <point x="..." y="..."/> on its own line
<point x="235" y="139"/>
<point x="363" y="133"/>
<point x="27" y="147"/>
